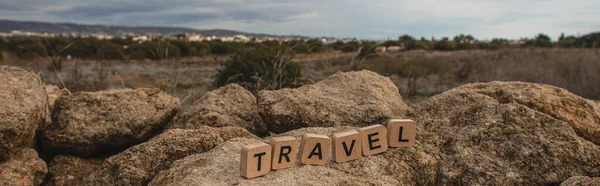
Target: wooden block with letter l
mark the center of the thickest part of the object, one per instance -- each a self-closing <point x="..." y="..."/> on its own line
<point x="285" y="151"/>
<point x="401" y="132"/>
<point x="314" y="149"/>
<point x="346" y="146"/>
<point x="255" y="160"/>
<point x="373" y="139"/>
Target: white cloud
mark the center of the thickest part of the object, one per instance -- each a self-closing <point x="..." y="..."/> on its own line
<point x="371" y="19"/>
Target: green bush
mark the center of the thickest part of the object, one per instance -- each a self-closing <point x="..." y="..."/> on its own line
<point x="260" y="68"/>
<point x="302" y="48"/>
<point x="138" y="55"/>
<point x="110" y="51"/>
<point x="348" y="48"/>
<point x="444" y="45"/>
<point x="202" y="48"/>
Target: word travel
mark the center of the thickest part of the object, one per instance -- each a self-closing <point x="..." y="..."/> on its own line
<point x="282" y="152"/>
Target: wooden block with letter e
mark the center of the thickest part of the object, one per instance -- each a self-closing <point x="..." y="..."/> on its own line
<point x="285" y="151"/>
<point x="401" y="132"/>
<point x="255" y="160"/>
<point x="373" y="139"/>
<point x="346" y="146"/>
<point x="314" y="149"/>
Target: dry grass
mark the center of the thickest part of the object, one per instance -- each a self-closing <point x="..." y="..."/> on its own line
<point x="418" y="74"/>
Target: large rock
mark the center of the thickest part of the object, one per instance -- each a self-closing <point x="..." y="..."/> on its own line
<point x="65" y="170"/>
<point x="231" y="105"/>
<point x="504" y="137"/>
<point x="220" y="166"/>
<point x="24" y="108"/>
<point x="87" y="123"/>
<point x="581" y="181"/>
<point x="139" y="164"/>
<point x="54" y="93"/>
<point x="353" y="98"/>
<point x="583" y="115"/>
<point x="25" y="168"/>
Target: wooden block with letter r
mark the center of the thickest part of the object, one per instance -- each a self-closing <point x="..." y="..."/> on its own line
<point x="401" y="132"/>
<point x="255" y="160"/>
<point x="314" y="149"/>
<point x="285" y="151"/>
<point x="373" y="139"/>
<point x="346" y="146"/>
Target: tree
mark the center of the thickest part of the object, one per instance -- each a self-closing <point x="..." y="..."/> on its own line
<point x="542" y="40"/>
<point x="407" y="41"/>
<point x="260" y="68"/>
<point x="111" y="51"/>
<point x="302" y="48"/>
<point x="444" y="45"/>
<point x="315" y="45"/>
<point x="464" y="42"/>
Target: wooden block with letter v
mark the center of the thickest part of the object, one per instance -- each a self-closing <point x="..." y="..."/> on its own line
<point x="346" y="146"/>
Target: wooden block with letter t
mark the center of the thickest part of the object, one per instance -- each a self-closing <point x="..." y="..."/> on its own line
<point x="373" y="139"/>
<point x="346" y="146"/>
<point x="401" y="132"/>
<point x="255" y="160"/>
<point x="285" y="151"/>
<point x="314" y="149"/>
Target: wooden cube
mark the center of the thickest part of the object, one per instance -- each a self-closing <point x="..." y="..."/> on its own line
<point x="346" y="146"/>
<point x="255" y="160"/>
<point x="401" y="132"/>
<point x="314" y="149"/>
<point x="373" y="139"/>
<point x="285" y="151"/>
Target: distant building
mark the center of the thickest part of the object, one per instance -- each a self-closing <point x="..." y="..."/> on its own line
<point x="380" y="49"/>
<point x="394" y="48"/>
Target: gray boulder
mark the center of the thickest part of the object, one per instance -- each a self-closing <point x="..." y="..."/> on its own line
<point x="506" y="133"/>
<point x="65" y="170"/>
<point x="220" y="166"/>
<point x="24" y="168"/>
<point x="139" y="164"/>
<point x="24" y="109"/>
<point x="231" y="105"/>
<point x="354" y="98"/>
<point x="88" y="123"/>
<point x="581" y="181"/>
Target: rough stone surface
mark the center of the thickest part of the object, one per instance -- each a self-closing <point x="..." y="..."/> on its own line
<point x="581" y="114"/>
<point x="220" y="166"/>
<point x="87" y="123"/>
<point x="65" y="170"/>
<point x="54" y="93"/>
<point x="581" y="181"/>
<point x="24" y="108"/>
<point x="139" y="164"/>
<point x="24" y="168"/>
<point x="231" y="105"/>
<point x="505" y="137"/>
<point x="354" y="98"/>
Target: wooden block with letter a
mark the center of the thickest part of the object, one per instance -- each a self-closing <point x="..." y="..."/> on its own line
<point x="346" y="146"/>
<point x="285" y="151"/>
<point x="401" y="132"/>
<point x="314" y="149"/>
<point x="255" y="160"/>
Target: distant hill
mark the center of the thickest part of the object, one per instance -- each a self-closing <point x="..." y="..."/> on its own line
<point x="32" y="26"/>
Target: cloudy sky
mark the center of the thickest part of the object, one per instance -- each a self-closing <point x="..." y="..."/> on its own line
<point x="365" y="19"/>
